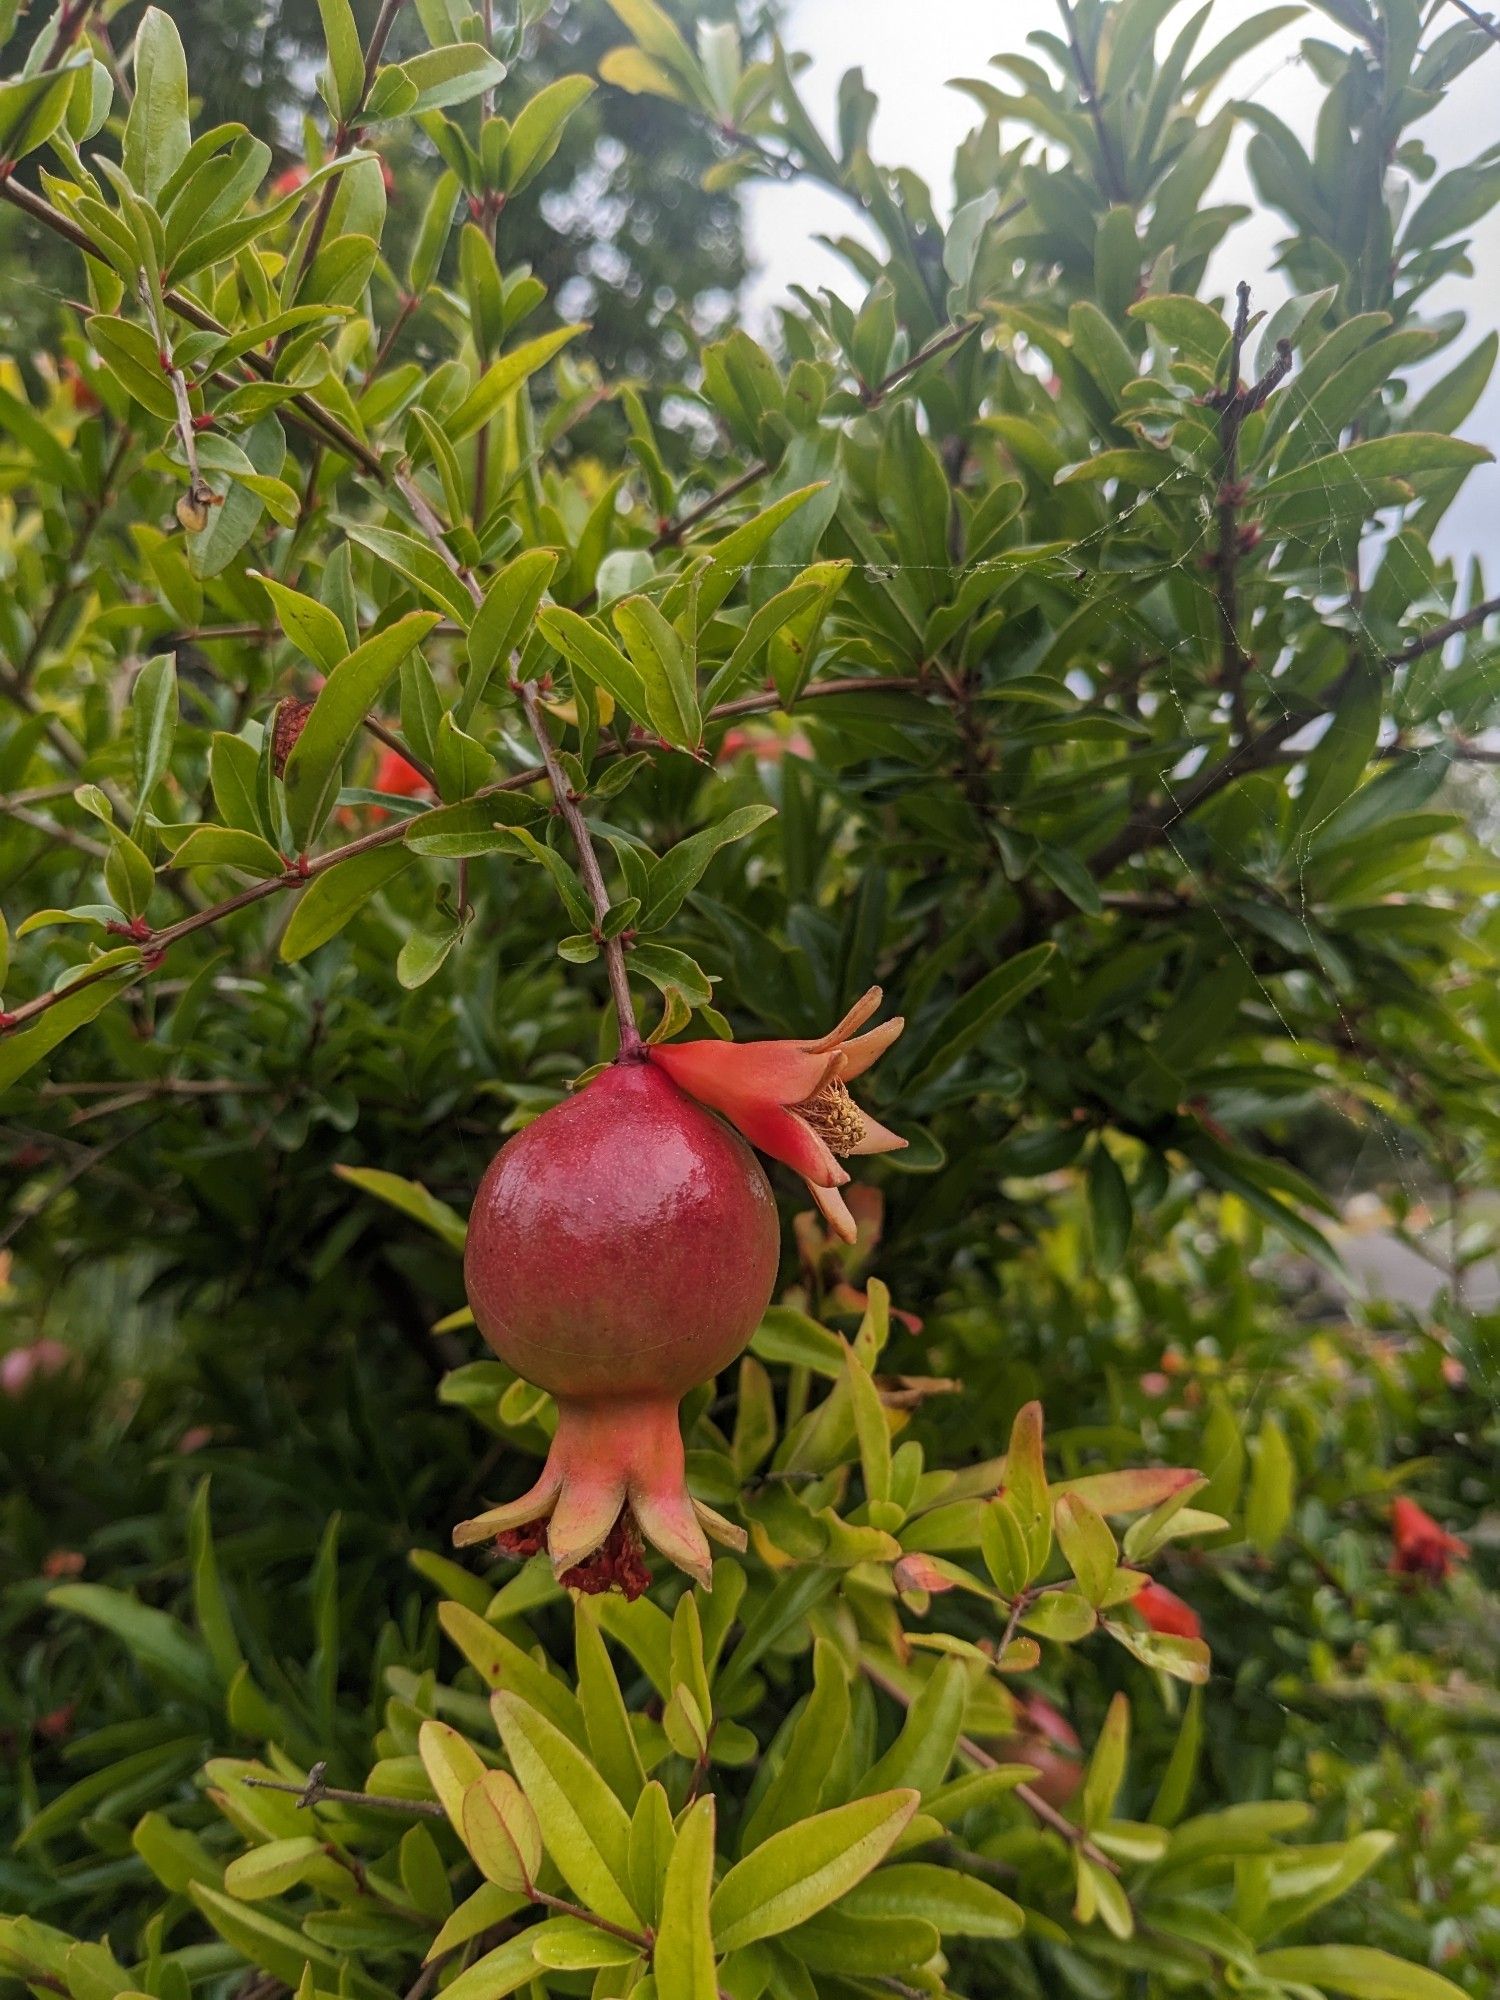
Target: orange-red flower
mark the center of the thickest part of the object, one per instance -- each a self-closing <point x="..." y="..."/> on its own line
<point x="791" y="1099"/>
<point x="1164" y="1611"/>
<point x="1422" y="1547"/>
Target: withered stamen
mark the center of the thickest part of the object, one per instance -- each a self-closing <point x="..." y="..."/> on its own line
<point x="834" y="1116"/>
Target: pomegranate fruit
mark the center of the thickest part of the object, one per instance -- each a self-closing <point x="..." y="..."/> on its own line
<point x="622" y="1249"/>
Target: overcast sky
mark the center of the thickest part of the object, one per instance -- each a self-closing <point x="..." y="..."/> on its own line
<point x="910" y="52"/>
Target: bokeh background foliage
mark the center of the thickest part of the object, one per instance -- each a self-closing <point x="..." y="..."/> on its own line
<point x="1081" y="624"/>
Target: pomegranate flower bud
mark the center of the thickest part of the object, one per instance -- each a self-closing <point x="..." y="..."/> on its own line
<point x="791" y="1099"/>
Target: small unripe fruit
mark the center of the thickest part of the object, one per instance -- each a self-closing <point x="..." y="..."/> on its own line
<point x="622" y="1249"/>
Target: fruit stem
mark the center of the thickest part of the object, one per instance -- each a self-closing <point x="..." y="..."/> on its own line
<point x="588" y="867"/>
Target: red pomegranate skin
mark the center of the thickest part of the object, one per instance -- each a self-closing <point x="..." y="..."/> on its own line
<point x="624" y="1244"/>
<point x="622" y="1249"/>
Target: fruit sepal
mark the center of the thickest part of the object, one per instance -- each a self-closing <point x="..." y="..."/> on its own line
<point x="607" y="1458"/>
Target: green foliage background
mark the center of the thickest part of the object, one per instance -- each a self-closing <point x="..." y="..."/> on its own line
<point x="1085" y="640"/>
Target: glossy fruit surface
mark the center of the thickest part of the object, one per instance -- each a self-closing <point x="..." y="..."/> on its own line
<point x="622" y="1249"/>
<point x="625" y="1244"/>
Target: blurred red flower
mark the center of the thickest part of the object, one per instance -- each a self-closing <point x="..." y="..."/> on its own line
<point x="394" y="774"/>
<point x="1164" y="1611"/>
<point x="1422" y="1547"/>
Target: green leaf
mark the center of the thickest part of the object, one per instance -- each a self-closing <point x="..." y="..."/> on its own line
<point x="233" y="766"/>
<point x="811" y="1752"/>
<point x="482" y="825"/>
<point x="565" y="880"/>
<point x="1183" y="1659"/>
<point x="585" y="1827"/>
<point x="502" y="378"/>
<point x="337" y="895"/>
<point x="683" y="1957"/>
<point x="314" y="769"/>
<point x="501" y="1831"/>
<point x="683" y="866"/>
<point x="274" y="1947"/>
<point x="174" y="1856"/>
<point x="316" y="632"/>
<point x="418" y="563"/>
<point x="481" y="1911"/>
<point x="423" y="954"/>
<point x="153" y="1637"/>
<point x="1062" y="1615"/>
<point x="501" y="1663"/>
<point x="1110" y="1211"/>
<point x="229" y="847"/>
<point x="451" y="75"/>
<point x="132" y="357"/>
<point x="957" y="1905"/>
<point x="1087" y="1545"/>
<point x="506" y="1969"/>
<point x="537" y="128"/>
<point x="923" y="1751"/>
<point x="272" y="1869"/>
<point x="671" y="700"/>
<point x="210" y="1609"/>
<point x="502" y="622"/>
<point x="596" y="656"/>
<point x="1341" y="757"/>
<point x="20" y="1051"/>
<point x="157" y="132"/>
<point x="346" y="60"/>
<point x="235" y="518"/>
<point x="1025" y="1484"/>
<point x="804" y="1868"/>
<point x="412" y="1199"/>
<point x="32" y="108"/>
<point x="1273" y="1487"/>
<point x="870" y="1427"/>
<point x="611" y="1739"/>
<point x="1106" y="1771"/>
<point x="153" y="712"/>
<point x="970" y="1019"/>
<point x="1396" y="457"/>
<point x="453" y="1768"/>
<point x="1358" y="1970"/>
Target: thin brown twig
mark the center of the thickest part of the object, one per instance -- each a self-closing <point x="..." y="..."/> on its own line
<point x="1032" y="1799"/>
<point x="72" y="18"/>
<point x="1481" y="21"/>
<point x="314" y="1792"/>
<point x="643" y="1940"/>
<point x="1088" y="90"/>
<point x="1439" y="635"/>
<point x="155" y="943"/>
<point x="563" y="797"/>
<point x="1236" y="402"/>
<point x="65" y="836"/>
<point x="347" y="136"/>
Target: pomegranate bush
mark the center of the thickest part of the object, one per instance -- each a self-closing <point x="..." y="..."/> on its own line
<point x="426" y="731"/>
